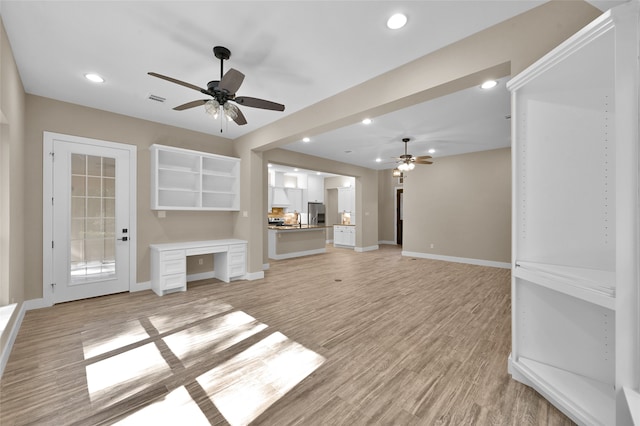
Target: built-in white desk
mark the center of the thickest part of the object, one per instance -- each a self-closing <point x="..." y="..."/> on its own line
<point x="169" y="262"/>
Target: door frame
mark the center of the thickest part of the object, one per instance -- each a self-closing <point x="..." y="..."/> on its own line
<point x="47" y="206"/>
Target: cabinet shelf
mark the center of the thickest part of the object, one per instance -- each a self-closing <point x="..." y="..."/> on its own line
<point x="590" y="285"/>
<point x="593" y="402"/>
<point x="182" y="179"/>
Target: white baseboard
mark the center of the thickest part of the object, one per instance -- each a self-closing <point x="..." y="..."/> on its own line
<point x="393" y="243"/>
<point x="369" y="248"/>
<point x="13" y="333"/>
<point x="480" y="262"/>
<point x="36" y="304"/>
<point x="251" y="276"/>
<point x="298" y="254"/>
<point x="146" y="285"/>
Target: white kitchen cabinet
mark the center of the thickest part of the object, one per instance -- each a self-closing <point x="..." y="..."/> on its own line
<point x="344" y="236"/>
<point x="315" y="189"/>
<point x="295" y="200"/>
<point x="575" y="327"/>
<point x="346" y="199"/>
<point x="182" y="179"/>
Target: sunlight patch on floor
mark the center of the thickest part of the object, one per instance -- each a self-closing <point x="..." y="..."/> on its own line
<point x="177" y="316"/>
<point x="118" y="377"/>
<point x="214" y="335"/>
<point x="119" y="335"/>
<point x="247" y="384"/>
<point x="177" y="408"/>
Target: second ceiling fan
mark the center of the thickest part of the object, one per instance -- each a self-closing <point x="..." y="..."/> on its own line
<point x="223" y="93"/>
<point x="408" y="162"/>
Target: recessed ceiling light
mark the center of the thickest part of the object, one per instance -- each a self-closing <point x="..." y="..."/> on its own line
<point x="397" y="21"/>
<point x="94" y="77"/>
<point x="366" y="121"/>
<point x="489" y="84"/>
<point x="378" y="160"/>
<point x="431" y="151"/>
<point x="306" y="140"/>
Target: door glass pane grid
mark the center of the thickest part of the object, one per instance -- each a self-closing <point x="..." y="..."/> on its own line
<point x="92" y="236"/>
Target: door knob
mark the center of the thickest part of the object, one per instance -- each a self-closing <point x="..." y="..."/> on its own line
<point x="123" y="239"/>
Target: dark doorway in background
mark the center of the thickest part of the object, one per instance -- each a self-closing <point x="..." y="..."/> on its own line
<point x="399" y="216"/>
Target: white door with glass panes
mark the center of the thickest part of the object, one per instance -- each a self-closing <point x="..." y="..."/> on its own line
<point x="90" y="219"/>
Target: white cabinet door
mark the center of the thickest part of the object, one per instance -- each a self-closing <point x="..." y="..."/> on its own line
<point x="346" y="200"/>
<point x="315" y="189"/>
<point x="295" y="199"/>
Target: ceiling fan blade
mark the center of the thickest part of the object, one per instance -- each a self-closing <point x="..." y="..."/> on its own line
<point x="181" y="83"/>
<point x="191" y="104"/>
<point x="231" y="81"/>
<point x="423" y="157"/>
<point x="259" y="103"/>
<point x="239" y="116"/>
<point x="423" y="162"/>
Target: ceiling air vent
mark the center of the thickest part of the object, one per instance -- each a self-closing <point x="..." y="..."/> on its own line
<point x="156" y="98"/>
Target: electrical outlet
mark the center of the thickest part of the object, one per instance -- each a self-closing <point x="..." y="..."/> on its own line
<point x="200" y="261"/>
<point x="431" y="245"/>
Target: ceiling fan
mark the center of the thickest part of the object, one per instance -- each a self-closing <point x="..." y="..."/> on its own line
<point x="223" y="93"/>
<point x="408" y="162"/>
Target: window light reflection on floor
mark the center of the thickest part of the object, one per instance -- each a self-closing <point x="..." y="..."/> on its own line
<point x="120" y="335"/>
<point x="213" y="335"/>
<point x="247" y="384"/>
<point x="177" y="408"/>
<point x="118" y="377"/>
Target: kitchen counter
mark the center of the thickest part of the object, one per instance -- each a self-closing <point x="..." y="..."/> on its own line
<point x="294" y="241"/>
<point x="288" y="228"/>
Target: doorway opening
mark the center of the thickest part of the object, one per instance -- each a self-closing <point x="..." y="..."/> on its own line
<point x="399" y="215"/>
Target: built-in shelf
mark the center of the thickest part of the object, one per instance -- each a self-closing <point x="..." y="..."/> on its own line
<point x="575" y="330"/>
<point x="182" y="179"/>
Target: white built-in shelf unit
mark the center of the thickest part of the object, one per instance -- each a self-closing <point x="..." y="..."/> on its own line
<point x="183" y="179"/>
<point x="575" y="221"/>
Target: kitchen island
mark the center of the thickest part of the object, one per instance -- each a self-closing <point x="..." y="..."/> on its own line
<point x="295" y="241"/>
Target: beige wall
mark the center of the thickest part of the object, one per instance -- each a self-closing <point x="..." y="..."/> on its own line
<point x="45" y="114"/>
<point x="462" y="205"/>
<point x="12" y="181"/>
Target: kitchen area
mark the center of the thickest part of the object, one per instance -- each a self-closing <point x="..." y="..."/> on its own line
<point x="307" y="210"/>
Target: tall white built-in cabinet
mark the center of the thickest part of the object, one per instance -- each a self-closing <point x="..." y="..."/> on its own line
<point x="575" y="298"/>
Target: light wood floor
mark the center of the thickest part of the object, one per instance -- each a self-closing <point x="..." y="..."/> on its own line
<point x="341" y="338"/>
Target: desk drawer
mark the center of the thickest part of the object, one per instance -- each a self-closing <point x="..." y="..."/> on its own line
<point x="237" y="248"/>
<point x="236" y="270"/>
<point x="171" y="255"/>
<point x="174" y="266"/>
<point x="206" y="250"/>
<point x="237" y="259"/>
<point x="173" y="282"/>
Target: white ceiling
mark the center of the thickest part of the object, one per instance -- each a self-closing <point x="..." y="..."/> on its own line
<point x="294" y="53"/>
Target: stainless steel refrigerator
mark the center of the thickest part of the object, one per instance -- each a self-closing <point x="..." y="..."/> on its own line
<point x="316" y="213"/>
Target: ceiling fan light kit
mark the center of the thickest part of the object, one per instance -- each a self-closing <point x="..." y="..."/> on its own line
<point x="223" y="92"/>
